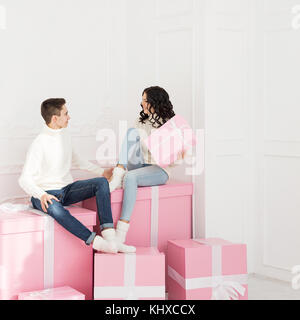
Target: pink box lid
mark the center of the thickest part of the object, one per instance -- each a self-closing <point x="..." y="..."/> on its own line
<point x="61" y="293"/>
<point x="192" y="259"/>
<point x="26" y="221"/>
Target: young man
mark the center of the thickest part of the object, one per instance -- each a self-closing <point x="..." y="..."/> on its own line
<point x="47" y="179"/>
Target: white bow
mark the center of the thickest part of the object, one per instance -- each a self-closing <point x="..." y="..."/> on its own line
<point x="227" y="290"/>
<point x="180" y="129"/>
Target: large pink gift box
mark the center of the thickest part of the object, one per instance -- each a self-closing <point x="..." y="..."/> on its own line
<point x="207" y="269"/>
<point x="61" y="293"/>
<point x="161" y="213"/>
<point x="166" y="142"/>
<point x="37" y="253"/>
<point x="134" y="276"/>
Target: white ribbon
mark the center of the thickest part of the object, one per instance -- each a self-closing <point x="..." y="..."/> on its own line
<point x="225" y="287"/>
<point x="48" y="247"/>
<point x="12" y="207"/>
<point x="179" y="130"/>
<point x="154" y="215"/>
<point x="129" y="291"/>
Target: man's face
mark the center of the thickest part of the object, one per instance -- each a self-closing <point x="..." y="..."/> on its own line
<point x="63" y="120"/>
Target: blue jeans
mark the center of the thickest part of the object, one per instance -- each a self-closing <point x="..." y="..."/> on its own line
<point x="74" y="193"/>
<point x="139" y="174"/>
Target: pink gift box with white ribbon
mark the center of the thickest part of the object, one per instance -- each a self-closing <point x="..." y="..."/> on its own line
<point x="207" y="269"/>
<point x="134" y="276"/>
<point x="37" y="253"/>
<point x="61" y="293"/>
<point x="161" y="213"/>
<point x="169" y="140"/>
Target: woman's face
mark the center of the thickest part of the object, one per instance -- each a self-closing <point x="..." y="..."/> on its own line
<point x="146" y="105"/>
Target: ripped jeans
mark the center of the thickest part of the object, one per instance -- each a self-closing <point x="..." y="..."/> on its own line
<point x="74" y="193"/>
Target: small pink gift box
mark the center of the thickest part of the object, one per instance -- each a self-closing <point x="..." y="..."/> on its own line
<point x="62" y="293"/>
<point x="166" y="142"/>
<point x="37" y="253"/>
<point x="207" y="269"/>
<point x="161" y="213"/>
<point x="137" y="276"/>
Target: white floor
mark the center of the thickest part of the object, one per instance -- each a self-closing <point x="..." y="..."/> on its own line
<point x="262" y="288"/>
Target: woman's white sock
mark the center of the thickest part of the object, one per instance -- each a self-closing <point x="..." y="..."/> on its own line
<point x="121" y="231"/>
<point x="117" y="178"/>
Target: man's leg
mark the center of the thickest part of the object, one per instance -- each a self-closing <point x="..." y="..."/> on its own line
<point x="99" y="187"/>
<point x="85" y="189"/>
<point x="66" y="220"/>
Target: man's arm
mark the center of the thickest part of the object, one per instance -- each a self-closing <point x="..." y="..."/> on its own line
<point x="80" y="163"/>
<point x="30" y="169"/>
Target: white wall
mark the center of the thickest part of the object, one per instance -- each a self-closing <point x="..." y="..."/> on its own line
<point x="252" y="134"/>
<point x="277" y="139"/>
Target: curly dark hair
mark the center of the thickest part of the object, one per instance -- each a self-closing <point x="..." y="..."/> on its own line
<point x="158" y="98"/>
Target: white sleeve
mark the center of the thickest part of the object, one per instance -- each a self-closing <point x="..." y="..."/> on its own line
<point x="80" y="163"/>
<point x="31" y="168"/>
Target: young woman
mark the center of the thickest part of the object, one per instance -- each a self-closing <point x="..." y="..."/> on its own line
<point x="136" y="167"/>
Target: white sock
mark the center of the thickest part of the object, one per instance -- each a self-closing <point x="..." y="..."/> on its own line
<point x="121" y="231"/>
<point x="100" y="244"/>
<point x="110" y="236"/>
<point x="117" y="178"/>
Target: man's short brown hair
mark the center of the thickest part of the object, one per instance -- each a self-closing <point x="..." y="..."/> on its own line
<point x="52" y="107"/>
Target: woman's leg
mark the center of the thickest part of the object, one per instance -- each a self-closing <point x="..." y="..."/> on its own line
<point x="130" y="158"/>
<point x="149" y="175"/>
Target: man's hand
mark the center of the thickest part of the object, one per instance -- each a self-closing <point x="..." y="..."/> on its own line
<point x="108" y="174"/>
<point x="45" y="199"/>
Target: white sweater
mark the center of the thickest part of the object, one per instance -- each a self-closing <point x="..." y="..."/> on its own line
<point x="49" y="161"/>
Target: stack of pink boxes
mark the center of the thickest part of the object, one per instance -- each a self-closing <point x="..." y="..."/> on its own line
<point x="161" y="213"/>
<point x="39" y="260"/>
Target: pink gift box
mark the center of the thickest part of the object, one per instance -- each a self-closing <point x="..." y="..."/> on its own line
<point x="37" y="253"/>
<point x="166" y="142"/>
<point x="160" y="214"/>
<point x="207" y="269"/>
<point x="62" y="293"/>
<point x="137" y="276"/>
